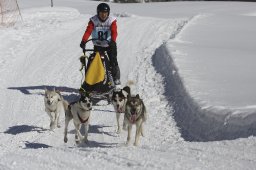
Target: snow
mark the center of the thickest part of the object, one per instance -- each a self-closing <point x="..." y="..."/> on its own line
<point x="192" y="63"/>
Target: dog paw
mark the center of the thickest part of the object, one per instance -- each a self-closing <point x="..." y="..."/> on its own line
<point x="135" y="144"/>
<point x="127" y="143"/>
<point x="53" y="126"/>
<point x="77" y="139"/>
<point x="85" y="140"/>
<point x="65" y="140"/>
<point x="118" y="131"/>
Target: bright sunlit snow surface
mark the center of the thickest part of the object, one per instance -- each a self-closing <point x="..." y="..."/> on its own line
<point x="192" y="63"/>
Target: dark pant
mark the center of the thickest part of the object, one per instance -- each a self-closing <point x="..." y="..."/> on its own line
<point x="112" y="54"/>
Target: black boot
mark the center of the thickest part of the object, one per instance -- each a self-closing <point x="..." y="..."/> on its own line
<point x="112" y="53"/>
<point x="116" y="75"/>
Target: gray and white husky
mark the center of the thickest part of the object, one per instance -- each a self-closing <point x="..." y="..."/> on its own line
<point x="119" y="99"/>
<point x="135" y="113"/>
<point x="55" y="105"/>
<point x="80" y="112"/>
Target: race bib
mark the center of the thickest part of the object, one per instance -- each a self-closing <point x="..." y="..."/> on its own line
<point x="101" y="34"/>
<point x="102" y="31"/>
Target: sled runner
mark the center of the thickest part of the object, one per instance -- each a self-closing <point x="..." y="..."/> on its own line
<point x="98" y="81"/>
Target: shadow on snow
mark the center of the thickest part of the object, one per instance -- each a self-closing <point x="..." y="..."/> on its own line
<point x="33" y="145"/>
<point x="95" y="144"/>
<point x="14" y="130"/>
<point x="69" y="94"/>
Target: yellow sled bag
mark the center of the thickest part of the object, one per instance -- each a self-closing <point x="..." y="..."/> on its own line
<point x="96" y="71"/>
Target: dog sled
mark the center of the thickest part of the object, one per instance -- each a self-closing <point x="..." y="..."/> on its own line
<point x="98" y="80"/>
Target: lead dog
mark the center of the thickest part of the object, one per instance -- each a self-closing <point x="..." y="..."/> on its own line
<point x="119" y="99"/>
<point x="55" y="105"/>
<point x="135" y="113"/>
<point x="80" y="113"/>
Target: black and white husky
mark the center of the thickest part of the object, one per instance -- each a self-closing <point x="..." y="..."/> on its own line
<point x="80" y="112"/>
<point x="55" y="105"/>
<point x="119" y="99"/>
<point x="135" y="113"/>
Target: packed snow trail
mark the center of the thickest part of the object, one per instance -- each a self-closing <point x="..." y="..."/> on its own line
<point x="43" y="51"/>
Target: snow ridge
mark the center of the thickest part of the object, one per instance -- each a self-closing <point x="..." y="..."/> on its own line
<point x="196" y="123"/>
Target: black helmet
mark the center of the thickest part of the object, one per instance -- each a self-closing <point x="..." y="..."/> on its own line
<point x="103" y="7"/>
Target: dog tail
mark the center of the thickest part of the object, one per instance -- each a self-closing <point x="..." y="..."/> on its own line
<point x="128" y="87"/>
<point x="130" y="83"/>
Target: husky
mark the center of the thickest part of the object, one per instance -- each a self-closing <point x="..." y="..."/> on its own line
<point x="119" y="99"/>
<point x="55" y="105"/>
<point x="80" y="112"/>
<point x="135" y="113"/>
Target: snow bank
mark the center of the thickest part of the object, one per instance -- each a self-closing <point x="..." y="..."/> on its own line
<point x="197" y="123"/>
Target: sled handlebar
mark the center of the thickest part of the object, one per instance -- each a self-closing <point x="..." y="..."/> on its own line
<point x="88" y="50"/>
<point x="93" y="39"/>
<point x="84" y="49"/>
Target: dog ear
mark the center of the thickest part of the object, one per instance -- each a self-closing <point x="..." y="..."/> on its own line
<point x="125" y="93"/>
<point x="57" y="91"/>
<point x="45" y="90"/>
<point x="54" y="89"/>
<point x="137" y="96"/>
<point x="60" y="96"/>
<point x="127" y="89"/>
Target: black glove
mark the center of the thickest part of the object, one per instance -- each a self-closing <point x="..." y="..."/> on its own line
<point x="82" y="60"/>
<point x="112" y="44"/>
<point x="82" y="45"/>
<point x="112" y="51"/>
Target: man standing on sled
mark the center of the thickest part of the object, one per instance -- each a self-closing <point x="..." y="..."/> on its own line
<point x="103" y="27"/>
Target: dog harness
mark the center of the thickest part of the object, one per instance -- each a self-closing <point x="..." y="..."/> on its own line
<point x="81" y="120"/>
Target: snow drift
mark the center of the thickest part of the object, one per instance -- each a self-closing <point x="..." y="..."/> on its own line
<point x="197" y="123"/>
